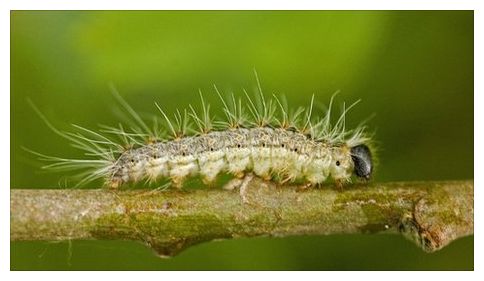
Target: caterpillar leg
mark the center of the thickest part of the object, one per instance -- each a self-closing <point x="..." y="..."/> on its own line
<point x="242" y="184"/>
<point x="177" y="182"/>
<point x="114" y="184"/>
<point x="243" y="187"/>
<point x="304" y="187"/>
<point x="233" y="184"/>
<point x="286" y="179"/>
<point x="339" y="184"/>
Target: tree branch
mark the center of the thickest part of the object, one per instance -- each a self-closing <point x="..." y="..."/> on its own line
<point x="432" y="214"/>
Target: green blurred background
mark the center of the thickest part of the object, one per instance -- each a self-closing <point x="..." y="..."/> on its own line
<point x="413" y="69"/>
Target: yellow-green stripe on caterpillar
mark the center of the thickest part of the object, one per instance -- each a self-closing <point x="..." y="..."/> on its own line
<point x="260" y="137"/>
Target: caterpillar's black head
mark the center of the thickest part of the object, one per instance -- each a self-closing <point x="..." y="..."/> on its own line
<point x="361" y="156"/>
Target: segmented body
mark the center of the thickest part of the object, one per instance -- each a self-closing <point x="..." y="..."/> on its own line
<point x="267" y="152"/>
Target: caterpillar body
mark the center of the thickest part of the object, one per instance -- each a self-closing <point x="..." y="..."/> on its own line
<point x="270" y="142"/>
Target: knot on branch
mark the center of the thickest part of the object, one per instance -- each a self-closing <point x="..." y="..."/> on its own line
<point x="413" y="231"/>
<point x="438" y="219"/>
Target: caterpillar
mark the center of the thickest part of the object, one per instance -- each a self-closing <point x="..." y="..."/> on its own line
<point x="258" y="136"/>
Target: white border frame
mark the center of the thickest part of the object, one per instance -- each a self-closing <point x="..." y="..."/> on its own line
<point x="7" y="6"/>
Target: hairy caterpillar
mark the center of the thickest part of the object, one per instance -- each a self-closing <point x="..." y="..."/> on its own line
<point x="271" y="142"/>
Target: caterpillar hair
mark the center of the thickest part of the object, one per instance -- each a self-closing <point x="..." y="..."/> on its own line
<point x="258" y="135"/>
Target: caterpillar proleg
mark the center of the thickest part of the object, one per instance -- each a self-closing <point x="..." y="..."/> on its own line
<point x="258" y="135"/>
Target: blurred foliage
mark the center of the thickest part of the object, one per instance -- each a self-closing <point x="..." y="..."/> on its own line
<point x="412" y="69"/>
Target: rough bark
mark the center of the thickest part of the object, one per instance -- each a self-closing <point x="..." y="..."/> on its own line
<point x="432" y="214"/>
